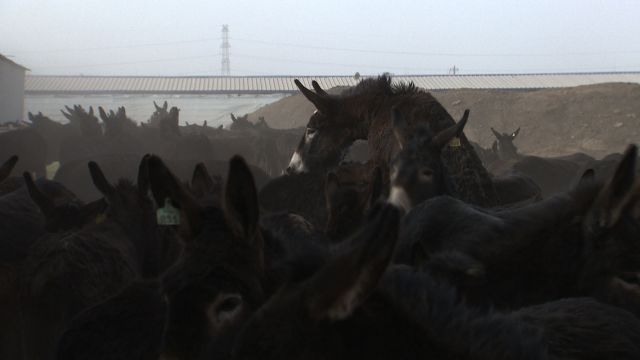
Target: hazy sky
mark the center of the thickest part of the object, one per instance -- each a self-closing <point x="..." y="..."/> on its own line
<point x="183" y="37"/>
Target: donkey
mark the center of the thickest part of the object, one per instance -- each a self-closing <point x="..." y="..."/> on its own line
<point x="85" y="121"/>
<point x="161" y="111"/>
<point x="362" y="113"/>
<point x="21" y="225"/>
<point x="166" y="120"/>
<point x="503" y="147"/>
<point x="117" y="124"/>
<point x="552" y="174"/>
<point x="100" y="259"/>
<point x="581" y="243"/>
<point x="228" y="266"/>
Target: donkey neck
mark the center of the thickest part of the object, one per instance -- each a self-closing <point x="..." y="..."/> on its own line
<point x="362" y="111"/>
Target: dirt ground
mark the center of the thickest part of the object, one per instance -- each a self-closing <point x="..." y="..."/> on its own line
<point x="594" y="119"/>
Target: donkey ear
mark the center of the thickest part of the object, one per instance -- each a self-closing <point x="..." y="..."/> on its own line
<point x="143" y="175"/>
<point x="5" y="169"/>
<point x="201" y="181"/>
<point x="103" y="115"/>
<point x="165" y="106"/>
<point x="496" y="134"/>
<point x="241" y="199"/>
<point x="67" y="115"/>
<point x="515" y="133"/>
<point x="400" y="127"/>
<point x="164" y="185"/>
<point x="100" y="181"/>
<point x="494" y="146"/>
<point x="43" y="201"/>
<point x="375" y="189"/>
<point x="618" y="194"/>
<point x="588" y="177"/>
<point x="344" y="283"/>
<point x="90" y="110"/>
<point x="318" y="89"/>
<point x="323" y="104"/>
<point x="445" y="136"/>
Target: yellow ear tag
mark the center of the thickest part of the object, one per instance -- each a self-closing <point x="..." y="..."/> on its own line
<point x="101" y="218"/>
<point x="455" y="142"/>
<point x="168" y="215"/>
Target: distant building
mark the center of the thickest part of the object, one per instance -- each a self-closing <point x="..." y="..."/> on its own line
<point x="213" y="98"/>
<point x="12" y="80"/>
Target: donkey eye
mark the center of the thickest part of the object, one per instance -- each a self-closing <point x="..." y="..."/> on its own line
<point x="311" y="132"/>
<point x="225" y="308"/>
<point x="229" y="305"/>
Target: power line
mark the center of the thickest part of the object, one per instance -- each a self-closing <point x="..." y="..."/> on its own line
<point x="330" y="63"/>
<point x="421" y="53"/>
<point x="132" y="62"/>
<point x="133" y="46"/>
<point x="329" y="48"/>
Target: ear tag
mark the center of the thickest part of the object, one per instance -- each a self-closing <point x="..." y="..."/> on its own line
<point x="168" y="215"/>
<point x="455" y="142"/>
<point x="101" y="218"/>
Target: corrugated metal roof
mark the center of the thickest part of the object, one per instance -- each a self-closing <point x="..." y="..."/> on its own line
<point x="46" y="84"/>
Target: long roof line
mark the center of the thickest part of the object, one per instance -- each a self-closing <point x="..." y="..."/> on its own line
<point x="65" y="84"/>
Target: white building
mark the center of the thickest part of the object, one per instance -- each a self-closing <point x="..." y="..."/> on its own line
<point x="12" y="81"/>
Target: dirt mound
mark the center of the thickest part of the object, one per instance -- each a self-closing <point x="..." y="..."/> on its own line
<point x="595" y="119"/>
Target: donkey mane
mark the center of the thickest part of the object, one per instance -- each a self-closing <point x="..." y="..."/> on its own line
<point x="382" y="86"/>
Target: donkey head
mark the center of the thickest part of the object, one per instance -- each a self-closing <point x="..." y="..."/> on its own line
<point x="503" y="146"/>
<point x="128" y="204"/>
<point x="116" y="123"/>
<point x="218" y="279"/>
<point x="418" y="172"/>
<point x="87" y="122"/>
<point x="327" y="136"/>
<point x="60" y="212"/>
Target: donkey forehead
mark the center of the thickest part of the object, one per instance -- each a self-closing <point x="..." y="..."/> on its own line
<point x="320" y="120"/>
<point x="203" y="272"/>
